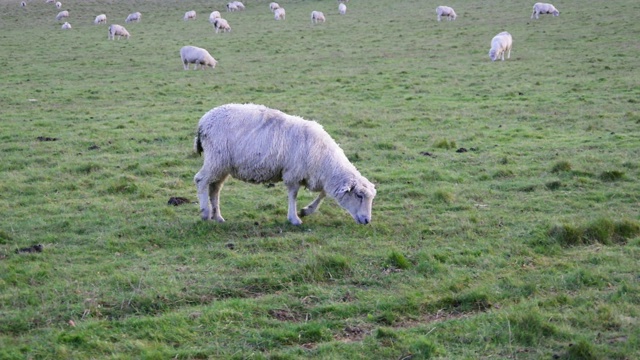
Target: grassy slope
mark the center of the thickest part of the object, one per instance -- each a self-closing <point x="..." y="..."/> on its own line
<point x="469" y="253"/>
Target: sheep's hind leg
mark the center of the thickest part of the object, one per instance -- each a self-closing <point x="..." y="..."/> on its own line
<point x="202" y="184"/>
<point x="209" y="196"/>
<point x="313" y="206"/>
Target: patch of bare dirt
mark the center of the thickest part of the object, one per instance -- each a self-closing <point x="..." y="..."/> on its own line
<point x="176" y="200"/>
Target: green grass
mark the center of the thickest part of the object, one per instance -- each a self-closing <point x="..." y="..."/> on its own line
<point x="526" y="246"/>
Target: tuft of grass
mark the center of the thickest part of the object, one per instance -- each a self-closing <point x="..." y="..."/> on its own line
<point x="443" y="196"/>
<point x="325" y="267"/>
<point x="582" y="350"/>
<point x="502" y="174"/>
<point x="445" y="144"/>
<point x="553" y="185"/>
<point x="464" y="302"/>
<point x="123" y="185"/>
<point x="561" y="166"/>
<point x="610" y="176"/>
<point x="530" y="328"/>
<point x="604" y="231"/>
<point x="422" y="348"/>
<point x="398" y="260"/>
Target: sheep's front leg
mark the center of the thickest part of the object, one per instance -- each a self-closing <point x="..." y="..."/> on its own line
<point x="293" y="195"/>
<point x="313" y="206"/>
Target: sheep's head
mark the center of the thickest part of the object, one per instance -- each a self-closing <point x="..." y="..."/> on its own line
<point x="556" y="13"/>
<point x="493" y="54"/>
<point x="356" y="196"/>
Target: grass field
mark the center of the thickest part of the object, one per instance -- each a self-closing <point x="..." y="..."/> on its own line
<point x="526" y="246"/>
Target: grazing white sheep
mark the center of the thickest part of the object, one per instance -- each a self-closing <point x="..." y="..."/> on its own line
<point x="279" y="14"/>
<point x="317" y="16"/>
<point x="190" y="15"/>
<point x="100" y="19"/>
<point x="221" y="24"/>
<point x="136" y="16"/>
<point x="232" y="6"/>
<point x="257" y="144"/>
<point x="62" y="14"/>
<point x="500" y="44"/>
<point x="445" y="11"/>
<point x="66" y="26"/>
<point x="23" y="4"/>
<point x="214" y="15"/>
<point x="58" y="5"/>
<point x="197" y="56"/>
<point x="342" y="8"/>
<point x="273" y="6"/>
<point x="239" y="5"/>
<point x="117" y="30"/>
<point x="544" y="8"/>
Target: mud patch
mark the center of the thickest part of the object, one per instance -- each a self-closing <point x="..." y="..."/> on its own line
<point x="31" y="249"/>
<point x="175" y="201"/>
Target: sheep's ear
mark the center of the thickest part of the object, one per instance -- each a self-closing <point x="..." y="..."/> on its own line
<point x="347" y="187"/>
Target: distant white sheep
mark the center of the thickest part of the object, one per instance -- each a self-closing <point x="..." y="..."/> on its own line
<point x="190" y="15"/>
<point x="100" y="19"/>
<point x="136" y="16"/>
<point x="117" y="30"/>
<point x="273" y="6"/>
<point x="214" y="15"/>
<point x="279" y="14"/>
<point x="317" y="16"/>
<point x="235" y="6"/>
<point x="239" y="5"/>
<point x="49" y="1"/>
<point x="446" y="12"/>
<point x="23" y="4"/>
<point x="66" y="26"/>
<point x="62" y="14"/>
<point x="342" y="8"/>
<point x="257" y="144"/>
<point x="197" y="56"/>
<point x="544" y="8"/>
<point x="221" y="24"/>
<point x="501" y="44"/>
<point x="58" y="5"/>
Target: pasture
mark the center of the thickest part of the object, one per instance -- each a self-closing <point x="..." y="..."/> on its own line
<point x="524" y="246"/>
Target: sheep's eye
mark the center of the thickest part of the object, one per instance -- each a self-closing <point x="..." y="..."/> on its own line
<point x="359" y="196"/>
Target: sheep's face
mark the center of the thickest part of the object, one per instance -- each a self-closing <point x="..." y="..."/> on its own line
<point x="357" y="199"/>
<point x="493" y="54"/>
<point x="556" y="13"/>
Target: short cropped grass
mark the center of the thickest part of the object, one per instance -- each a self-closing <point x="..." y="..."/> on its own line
<point x="506" y="223"/>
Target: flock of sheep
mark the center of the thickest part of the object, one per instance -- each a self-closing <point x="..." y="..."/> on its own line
<point x="500" y="44"/>
<point x="257" y="144"/>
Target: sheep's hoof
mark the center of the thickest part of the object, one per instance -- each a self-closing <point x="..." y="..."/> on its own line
<point x="295" y="221"/>
<point x="304" y="212"/>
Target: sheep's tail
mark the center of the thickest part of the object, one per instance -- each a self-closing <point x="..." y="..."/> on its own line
<point x="197" y="144"/>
